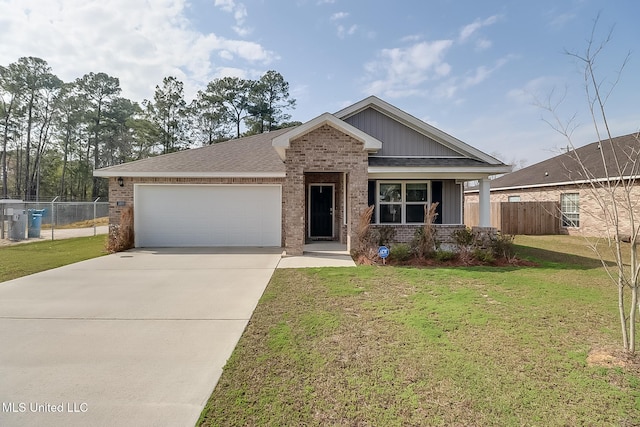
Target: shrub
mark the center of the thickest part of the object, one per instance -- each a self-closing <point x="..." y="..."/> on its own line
<point x="121" y="236"/>
<point x="442" y="255"/>
<point x="463" y="237"/>
<point x="484" y="255"/>
<point x="386" y="234"/>
<point x="400" y="252"/>
<point x="364" y="239"/>
<point x="502" y="246"/>
<point x="424" y="242"/>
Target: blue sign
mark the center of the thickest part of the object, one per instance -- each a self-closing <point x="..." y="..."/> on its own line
<point x="383" y="252"/>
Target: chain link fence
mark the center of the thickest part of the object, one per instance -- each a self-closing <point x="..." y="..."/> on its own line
<point x="19" y="220"/>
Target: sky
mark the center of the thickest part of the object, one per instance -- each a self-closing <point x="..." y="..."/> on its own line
<point x="478" y="70"/>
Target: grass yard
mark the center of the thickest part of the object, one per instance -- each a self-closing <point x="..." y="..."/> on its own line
<point x="28" y="258"/>
<point x="387" y="346"/>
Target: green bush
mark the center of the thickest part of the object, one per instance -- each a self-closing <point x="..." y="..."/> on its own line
<point x="400" y="252"/>
<point x="442" y="255"/>
<point x="484" y="255"/>
<point x="424" y="244"/>
<point x="386" y="234"/>
<point x="464" y="237"/>
<point x="502" y="246"/>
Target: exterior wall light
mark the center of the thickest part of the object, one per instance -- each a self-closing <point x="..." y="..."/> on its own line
<point x="120" y="181"/>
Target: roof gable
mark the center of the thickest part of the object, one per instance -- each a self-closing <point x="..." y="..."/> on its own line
<point x="398" y="140"/>
<point x="449" y="142"/>
<point x="281" y="142"/>
<point x="565" y="168"/>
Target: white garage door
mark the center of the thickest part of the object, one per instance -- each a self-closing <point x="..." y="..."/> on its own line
<point x="207" y="215"/>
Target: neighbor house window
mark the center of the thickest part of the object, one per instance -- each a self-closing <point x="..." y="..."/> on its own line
<point x="514" y="198"/>
<point x="570" y="209"/>
<point x="402" y="202"/>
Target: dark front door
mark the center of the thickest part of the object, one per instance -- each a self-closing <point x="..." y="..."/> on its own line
<point x="321" y="211"/>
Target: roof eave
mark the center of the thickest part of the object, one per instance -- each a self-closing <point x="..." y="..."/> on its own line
<point x="564" y="183"/>
<point x="480" y="171"/>
<point x="103" y="173"/>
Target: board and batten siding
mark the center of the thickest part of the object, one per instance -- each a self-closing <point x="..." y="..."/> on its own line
<point x="397" y="139"/>
<point x="451" y="202"/>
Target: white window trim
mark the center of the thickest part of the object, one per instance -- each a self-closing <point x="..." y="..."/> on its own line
<point x="563" y="213"/>
<point x="403" y="204"/>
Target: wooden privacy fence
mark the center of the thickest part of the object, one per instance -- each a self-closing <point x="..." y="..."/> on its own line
<point x="534" y="218"/>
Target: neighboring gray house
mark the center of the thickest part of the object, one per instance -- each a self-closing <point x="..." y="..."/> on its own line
<point x="300" y="184"/>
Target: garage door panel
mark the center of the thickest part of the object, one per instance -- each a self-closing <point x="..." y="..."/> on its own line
<point x="205" y="215"/>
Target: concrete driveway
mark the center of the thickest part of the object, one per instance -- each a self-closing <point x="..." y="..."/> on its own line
<point x="131" y="339"/>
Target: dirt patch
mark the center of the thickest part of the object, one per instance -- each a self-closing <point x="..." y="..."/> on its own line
<point x="80" y="224"/>
<point x="610" y="358"/>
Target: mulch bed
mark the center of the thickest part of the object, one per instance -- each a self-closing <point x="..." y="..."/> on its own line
<point x="431" y="262"/>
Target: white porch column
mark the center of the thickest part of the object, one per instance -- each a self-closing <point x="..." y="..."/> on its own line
<point x="485" y="203"/>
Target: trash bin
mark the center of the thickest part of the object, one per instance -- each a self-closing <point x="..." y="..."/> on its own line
<point x="35" y="222"/>
<point x="18" y="225"/>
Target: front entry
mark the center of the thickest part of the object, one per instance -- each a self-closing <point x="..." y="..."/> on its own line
<point x="321" y="204"/>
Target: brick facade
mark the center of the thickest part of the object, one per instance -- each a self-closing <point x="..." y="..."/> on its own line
<point x="323" y="150"/>
<point x="405" y="233"/>
<point x="592" y="216"/>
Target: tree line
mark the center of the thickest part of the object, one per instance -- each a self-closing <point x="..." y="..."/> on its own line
<point x="53" y="134"/>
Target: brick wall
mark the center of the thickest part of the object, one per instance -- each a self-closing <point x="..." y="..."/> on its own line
<point x="405" y="233"/>
<point x="324" y="149"/>
<point x="592" y="216"/>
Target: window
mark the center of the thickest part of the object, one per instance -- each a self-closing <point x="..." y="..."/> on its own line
<point x="416" y="199"/>
<point x="514" y="198"/>
<point x="570" y="209"/>
<point x="390" y="197"/>
<point x="402" y="202"/>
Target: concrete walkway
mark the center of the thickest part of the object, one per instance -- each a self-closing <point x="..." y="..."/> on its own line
<point x="132" y="339"/>
<point x="320" y="254"/>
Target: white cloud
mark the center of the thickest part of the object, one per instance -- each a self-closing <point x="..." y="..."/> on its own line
<point x="344" y="31"/>
<point x="338" y="15"/>
<point x="468" y="30"/>
<point x="400" y="71"/>
<point x="482" y="73"/>
<point x="326" y="2"/>
<point x="231" y="72"/>
<point x="411" y="38"/>
<point x="239" y="11"/>
<point x="138" y="42"/>
<point x="452" y="86"/>
<point x="226" y="5"/>
<point x="483" y="44"/>
<point x="534" y="91"/>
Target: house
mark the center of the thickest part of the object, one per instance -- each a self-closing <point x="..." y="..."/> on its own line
<point x="578" y="187"/>
<point x="309" y="182"/>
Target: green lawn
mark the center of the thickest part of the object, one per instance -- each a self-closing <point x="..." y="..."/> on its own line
<point x="28" y="258"/>
<point x="386" y="346"/>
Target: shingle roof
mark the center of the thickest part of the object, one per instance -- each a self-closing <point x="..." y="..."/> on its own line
<point x="565" y="168"/>
<point x="250" y="155"/>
